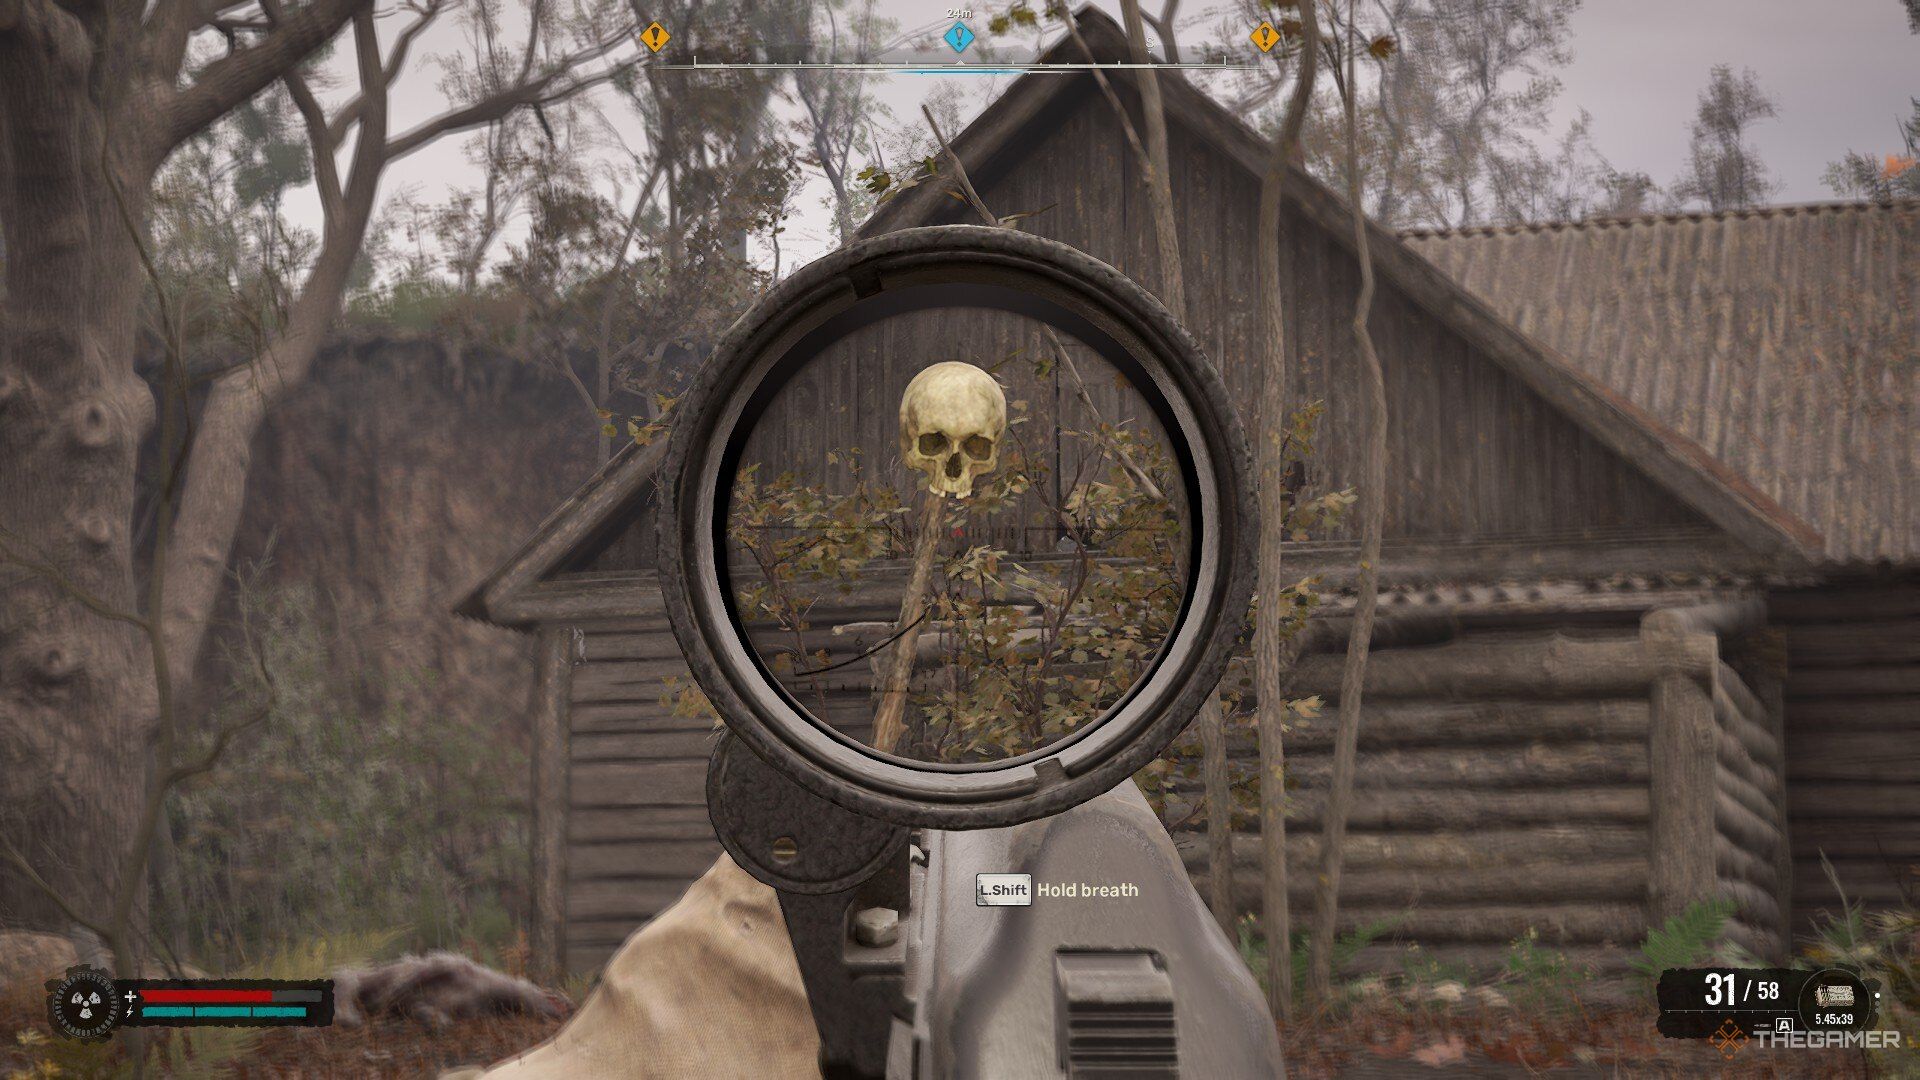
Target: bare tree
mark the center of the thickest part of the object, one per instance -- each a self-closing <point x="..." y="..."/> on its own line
<point x="1724" y="170"/>
<point x="840" y="107"/>
<point x="1270" y="640"/>
<point x="1373" y="513"/>
<point x="1464" y="89"/>
<point x="93" y="100"/>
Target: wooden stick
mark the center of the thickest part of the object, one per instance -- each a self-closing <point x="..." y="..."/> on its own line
<point x="890" y="722"/>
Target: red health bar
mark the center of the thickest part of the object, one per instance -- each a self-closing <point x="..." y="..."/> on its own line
<point x="208" y="997"/>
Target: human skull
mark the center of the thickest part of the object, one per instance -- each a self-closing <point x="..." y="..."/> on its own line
<point x="951" y="420"/>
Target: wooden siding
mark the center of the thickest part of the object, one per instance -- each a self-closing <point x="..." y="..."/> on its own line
<point x="1853" y="742"/>
<point x="637" y="830"/>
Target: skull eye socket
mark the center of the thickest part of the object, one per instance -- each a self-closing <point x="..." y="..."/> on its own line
<point x="978" y="447"/>
<point x="933" y="443"/>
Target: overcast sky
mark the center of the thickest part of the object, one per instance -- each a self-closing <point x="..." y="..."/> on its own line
<point x="1842" y="72"/>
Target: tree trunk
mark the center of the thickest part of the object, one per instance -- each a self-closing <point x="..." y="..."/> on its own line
<point x="213" y="490"/>
<point x="1373" y="513"/>
<point x="1166" y="231"/>
<point x="1269" y="641"/>
<point x="214" y="484"/>
<point x="76" y="692"/>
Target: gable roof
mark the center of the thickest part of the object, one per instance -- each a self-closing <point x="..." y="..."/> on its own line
<point x="1726" y="498"/>
<point x="507" y="596"/>
<point x="1013" y="123"/>
<point x="1784" y="340"/>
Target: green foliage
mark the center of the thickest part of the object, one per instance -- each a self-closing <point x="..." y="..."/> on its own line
<point x="1539" y="978"/>
<point x="1253" y="948"/>
<point x="1421" y="968"/>
<point x="227" y="263"/>
<point x="1684" y="939"/>
<point x="338" y="818"/>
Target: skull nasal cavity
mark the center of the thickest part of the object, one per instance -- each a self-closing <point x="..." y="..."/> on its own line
<point x="933" y="442"/>
<point x="953" y="467"/>
<point x="978" y="447"/>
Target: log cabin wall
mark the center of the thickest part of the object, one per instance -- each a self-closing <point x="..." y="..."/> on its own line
<point x="1852" y="694"/>
<point x="1506" y="784"/>
<point x="1560" y="773"/>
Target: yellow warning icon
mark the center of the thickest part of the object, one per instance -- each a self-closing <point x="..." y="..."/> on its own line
<point x="655" y="37"/>
<point x="1265" y="37"/>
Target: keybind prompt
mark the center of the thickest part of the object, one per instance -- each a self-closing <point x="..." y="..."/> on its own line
<point x="1003" y="890"/>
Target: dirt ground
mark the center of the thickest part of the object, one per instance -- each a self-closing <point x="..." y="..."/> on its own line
<point x="1385" y="1041"/>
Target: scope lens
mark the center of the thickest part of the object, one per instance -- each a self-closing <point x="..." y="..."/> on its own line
<point x="957" y="535"/>
<point x="1012" y="444"/>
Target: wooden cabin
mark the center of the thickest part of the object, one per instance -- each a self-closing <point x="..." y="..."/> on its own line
<point x="1651" y="584"/>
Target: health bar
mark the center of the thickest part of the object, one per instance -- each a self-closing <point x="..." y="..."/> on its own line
<point x="217" y="996"/>
<point x="209" y="997"/>
<point x="220" y="1003"/>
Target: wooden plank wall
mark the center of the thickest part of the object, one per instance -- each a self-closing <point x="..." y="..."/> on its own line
<point x="1853" y="742"/>
<point x="637" y="830"/>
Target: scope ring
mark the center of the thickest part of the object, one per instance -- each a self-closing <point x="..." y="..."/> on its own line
<point x="943" y="267"/>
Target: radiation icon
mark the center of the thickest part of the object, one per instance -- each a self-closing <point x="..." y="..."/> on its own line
<point x="84" y="1004"/>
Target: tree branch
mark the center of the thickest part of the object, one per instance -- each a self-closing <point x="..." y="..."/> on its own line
<point x="350" y="113"/>
<point x="326" y="171"/>
<point x="1113" y="99"/>
<point x="234" y="78"/>
<point x="541" y="91"/>
<point x="1173" y="279"/>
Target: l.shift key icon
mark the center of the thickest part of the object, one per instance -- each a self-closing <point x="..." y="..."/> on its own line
<point x="1003" y="890"/>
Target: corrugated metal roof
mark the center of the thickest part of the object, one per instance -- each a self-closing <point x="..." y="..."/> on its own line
<point x="1785" y="340"/>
